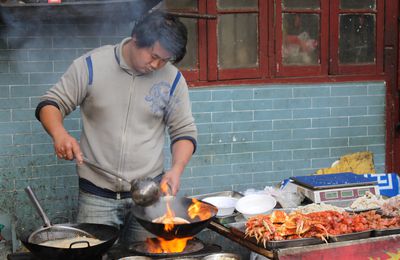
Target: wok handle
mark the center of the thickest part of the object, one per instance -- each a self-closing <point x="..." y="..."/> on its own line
<point x="39" y="208"/>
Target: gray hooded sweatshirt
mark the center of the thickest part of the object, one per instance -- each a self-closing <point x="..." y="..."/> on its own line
<point x="125" y="115"/>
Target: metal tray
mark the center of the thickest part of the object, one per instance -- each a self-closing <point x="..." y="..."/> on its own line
<point x="233" y="194"/>
<point x="386" y="232"/>
<point x="351" y="236"/>
<point x="294" y="243"/>
<point x="239" y="229"/>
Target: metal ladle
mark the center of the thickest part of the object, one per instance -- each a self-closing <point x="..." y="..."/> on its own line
<point x="145" y="191"/>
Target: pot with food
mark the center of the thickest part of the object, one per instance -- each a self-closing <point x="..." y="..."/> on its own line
<point x="173" y="217"/>
<point x="104" y="236"/>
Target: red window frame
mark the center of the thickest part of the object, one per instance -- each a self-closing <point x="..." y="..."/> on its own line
<point x="345" y="69"/>
<point x="271" y="67"/>
<point x="215" y="73"/>
<point x="282" y="70"/>
<point x="198" y="73"/>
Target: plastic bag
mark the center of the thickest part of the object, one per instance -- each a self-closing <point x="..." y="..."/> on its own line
<point x="287" y="198"/>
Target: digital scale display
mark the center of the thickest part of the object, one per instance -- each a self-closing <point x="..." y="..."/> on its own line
<point x="337" y="194"/>
<point x="331" y="195"/>
<point x="347" y="194"/>
<point x="334" y="187"/>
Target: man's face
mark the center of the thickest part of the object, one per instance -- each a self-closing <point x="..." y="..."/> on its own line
<point x="146" y="60"/>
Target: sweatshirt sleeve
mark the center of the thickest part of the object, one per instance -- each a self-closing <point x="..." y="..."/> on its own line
<point x="70" y="90"/>
<point x="179" y="118"/>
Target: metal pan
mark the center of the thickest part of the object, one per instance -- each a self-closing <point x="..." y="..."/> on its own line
<point x="351" y="236"/>
<point x="145" y="216"/>
<point x="50" y="232"/>
<point x="108" y="234"/>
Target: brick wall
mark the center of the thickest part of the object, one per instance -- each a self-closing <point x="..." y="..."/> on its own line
<point x="250" y="136"/>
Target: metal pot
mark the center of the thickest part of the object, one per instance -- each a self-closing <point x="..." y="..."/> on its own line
<point x="222" y="256"/>
<point x="145" y="216"/>
<point x="108" y="234"/>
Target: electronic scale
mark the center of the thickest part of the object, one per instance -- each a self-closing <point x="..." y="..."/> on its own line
<point x="339" y="189"/>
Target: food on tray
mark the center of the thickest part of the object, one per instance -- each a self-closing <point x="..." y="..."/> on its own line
<point x="391" y="207"/>
<point x="170" y="220"/>
<point x="66" y="243"/>
<point x="316" y="207"/>
<point x="368" y="201"/>
<point x="282" y="226"/>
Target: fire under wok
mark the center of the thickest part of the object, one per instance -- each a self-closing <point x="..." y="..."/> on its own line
<point x="107" y="234"/>
<point x="179" y="206"/>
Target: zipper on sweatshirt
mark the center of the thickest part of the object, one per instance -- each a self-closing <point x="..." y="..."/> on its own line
<point x="124" y="132"/>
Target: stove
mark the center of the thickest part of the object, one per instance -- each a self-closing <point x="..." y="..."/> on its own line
<point x="195" y="249"/>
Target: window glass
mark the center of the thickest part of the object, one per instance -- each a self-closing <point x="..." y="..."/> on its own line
<point x="181" y="4"/>
<point x="359" y="4"/>
<point x="300" y="4"/>
<point x="237" y="41"/>
<point x="357" y="38"/>
<point x="190" y="59"/>
<point x="234" y="4"/>
<point x="300" y="43"/>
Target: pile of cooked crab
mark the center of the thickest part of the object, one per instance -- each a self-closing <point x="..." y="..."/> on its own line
<point x="280" y="225"/>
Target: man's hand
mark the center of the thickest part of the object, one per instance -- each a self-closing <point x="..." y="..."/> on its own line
<point x="172" y="178"/>
<point x="67" y="147"/>
<point x="182" y="151"/>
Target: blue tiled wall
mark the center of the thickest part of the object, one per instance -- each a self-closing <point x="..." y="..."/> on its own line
<point x="253" y="136"/>
<point x="249" y="136"/>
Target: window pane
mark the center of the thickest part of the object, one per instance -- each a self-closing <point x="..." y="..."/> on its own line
<point x="234" y="4"/>
<point x="300" y="4"/>
<point x="237" y="41"/>
<point x="359" y="4"/>
<point x="181" y="4"/>
<point x="190" y="59"/>
<point x="300" y="39"/>
<point x="357" y="38"/>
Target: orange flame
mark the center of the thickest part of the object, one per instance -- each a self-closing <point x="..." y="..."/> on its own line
<point x="199" y="209"/>
<point x="160" y="245"/>
<point x="165" y="188"/>
<point x="168" y="218"/>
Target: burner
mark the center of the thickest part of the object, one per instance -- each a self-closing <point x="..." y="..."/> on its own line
<point x="192" y="246"/>
<point x="118" y="251"/>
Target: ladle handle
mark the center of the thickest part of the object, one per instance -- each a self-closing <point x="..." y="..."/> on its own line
<point x="39" y="208"/>
<point x="101" y="168"/>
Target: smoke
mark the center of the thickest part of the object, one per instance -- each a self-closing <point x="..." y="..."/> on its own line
<point x="69" y="11"/>
<point x="38" y="41"/>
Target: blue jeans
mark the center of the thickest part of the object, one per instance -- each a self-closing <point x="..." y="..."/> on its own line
<point x="99" y="210"/>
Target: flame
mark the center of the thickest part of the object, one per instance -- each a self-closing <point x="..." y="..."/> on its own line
<point x="160" y="245"/>
<point x="199" y="209"/>
<point x="165" y="188"/>
<point x="168" y="217"/>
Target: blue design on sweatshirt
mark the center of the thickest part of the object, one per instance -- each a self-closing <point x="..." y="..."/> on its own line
<point x="160" y="99"/>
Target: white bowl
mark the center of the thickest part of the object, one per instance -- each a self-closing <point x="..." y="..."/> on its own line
<point x="225" y="204"/>
<point x="255" y="204"/>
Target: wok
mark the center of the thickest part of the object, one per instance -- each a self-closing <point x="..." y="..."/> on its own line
<point x="108" y="234"/>
<point x="145" y="216"/>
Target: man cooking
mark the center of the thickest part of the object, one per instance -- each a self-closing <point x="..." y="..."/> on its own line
<point x="128" y="95"/>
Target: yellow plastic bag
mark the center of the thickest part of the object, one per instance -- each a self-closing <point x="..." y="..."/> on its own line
<point x="360" y="163"/>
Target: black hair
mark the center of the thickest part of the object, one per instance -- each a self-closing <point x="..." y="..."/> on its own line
<point x="167" y="29"/>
